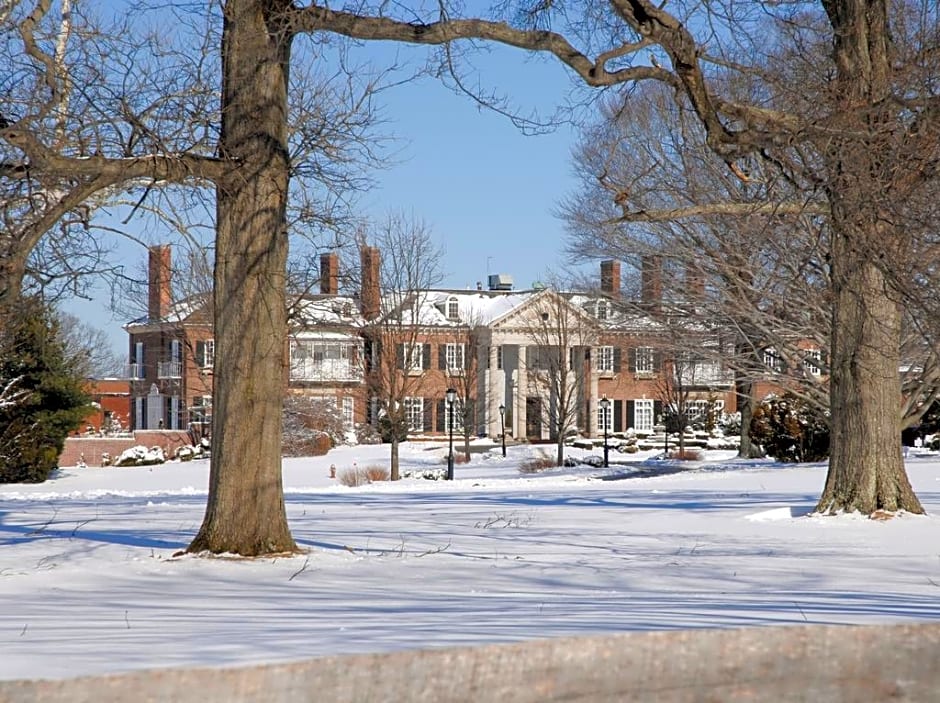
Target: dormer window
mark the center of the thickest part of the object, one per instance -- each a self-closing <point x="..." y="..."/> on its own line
<point x="602" y="310"/>
<point x="453" y="312"/>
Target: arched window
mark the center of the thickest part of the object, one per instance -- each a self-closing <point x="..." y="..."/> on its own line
<point x="452" y="309"/>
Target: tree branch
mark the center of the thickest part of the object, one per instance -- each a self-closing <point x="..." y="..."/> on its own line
<point x="723" y="209"/>
<point x="316" y="18"/>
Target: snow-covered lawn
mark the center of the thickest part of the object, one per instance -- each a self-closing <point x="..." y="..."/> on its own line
<point x="90" y="583"/>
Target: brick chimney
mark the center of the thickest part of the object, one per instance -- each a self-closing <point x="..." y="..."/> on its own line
<point x="610" y="278"/>
<point x="651" y="280"/>
<point x="694" y="283"/>
<point x="158" y="282"/>
<point x="370" y="296"/>
<point x="329" y="273"/>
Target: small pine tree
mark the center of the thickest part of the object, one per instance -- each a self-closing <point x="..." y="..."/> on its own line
<point x="47" y="394"/>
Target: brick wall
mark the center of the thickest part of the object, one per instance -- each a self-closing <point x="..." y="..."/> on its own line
<point x="91" y="449"/>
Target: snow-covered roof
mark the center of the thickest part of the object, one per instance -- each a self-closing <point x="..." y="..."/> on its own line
<point x="178" y="312"/>
<point x="338" y="310"/>
<point x="474" y="307"/>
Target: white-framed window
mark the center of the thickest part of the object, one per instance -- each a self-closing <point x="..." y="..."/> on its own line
<point x="453" y="309"/>
<point x="454" y="357"/>
<point x="205" y="353"/>
<point x="414" y="414"/>
<point x="811" y="362"/>
<point x="138" y="368"/>
<point x="772" y="359"/>
<point x="201" y="410"/>
<point x="413" y="357"/>
<point x="605" y="359"/>
<point x="643" y="415"/>
<point x="697" y="409"/>
<point x="349" y="407"/>
<point x="602" y="309"/>
<point x="499" y="357"/>
<point x="645" y="360"/>
<point x="605" y="418"/>
<point x="176" y="350"/>
<point x="457" y="411"/>
<point x="139" y="414"/>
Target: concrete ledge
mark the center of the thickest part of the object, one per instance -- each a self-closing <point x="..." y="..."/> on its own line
<point x="832" y="664"/>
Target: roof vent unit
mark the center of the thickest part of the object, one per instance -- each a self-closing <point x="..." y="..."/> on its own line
<point x="500" y="281"/>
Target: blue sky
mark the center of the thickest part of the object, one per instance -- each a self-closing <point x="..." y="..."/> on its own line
<point x="486" y="190"/>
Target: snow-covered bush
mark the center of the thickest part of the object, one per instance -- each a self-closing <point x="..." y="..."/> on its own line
<point x="537" y="464"/>
<point x="311" y="426"/>
<point x="361" y="475"/>
<point x="140" y="456"/>
<point x="729" y="424"/>
<point x="427" y="474"/>
<point x="790" y="430"/>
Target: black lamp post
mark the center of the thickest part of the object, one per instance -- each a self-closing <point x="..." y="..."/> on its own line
<point x="502" y="426"/>
<point x="605" y="406"/>
<point x="451" y="396"/>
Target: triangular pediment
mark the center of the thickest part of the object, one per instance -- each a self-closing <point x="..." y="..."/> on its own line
<point x="544" y="308"/>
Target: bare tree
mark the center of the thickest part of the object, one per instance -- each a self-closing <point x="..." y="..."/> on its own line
<point x="88" y="348"/>
<point x="202" y="107"/>
<point x="396" y="276"/>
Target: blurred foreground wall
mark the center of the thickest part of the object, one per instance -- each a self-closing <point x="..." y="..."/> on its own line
<point x="832" y="664"/>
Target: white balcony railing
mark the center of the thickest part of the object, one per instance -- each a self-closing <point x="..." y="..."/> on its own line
<point x="169" y="369"/>
<point x="134" y="371"/>
<point x="326" y="370"/>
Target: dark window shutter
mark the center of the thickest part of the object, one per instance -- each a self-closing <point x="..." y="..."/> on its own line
<point x="618" y="353"/>
<point x="618" y="416"/>
<point x="442" y="357"/>
<point x="400" y="356"/>
<point x="426" y="357"/>
<point x="467" y="348"/>
<point x="487" y="357"/>
<point x="143" y="415"/>
<point x="633" y="360"/>
<point x="631" y="414"/>
<point x="200" y="354"/>
<point x="657" y="361"/>
<point x="426" y="412"/>
<point x="441" y="415"/>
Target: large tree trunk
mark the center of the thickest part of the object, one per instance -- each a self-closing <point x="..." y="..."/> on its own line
<point x="866" y="467"/>
<point x="245" y="512"/>
<point x="12" y="270"/>
<point x="744" y="392"/>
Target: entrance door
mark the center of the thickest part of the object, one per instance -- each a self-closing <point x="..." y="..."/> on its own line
<point x="533" y="418"/>
<point x="154" y="408"/>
